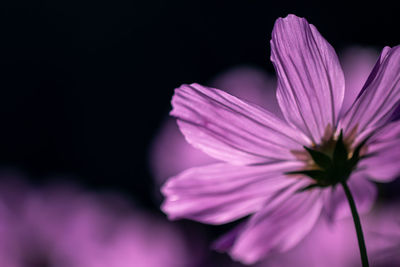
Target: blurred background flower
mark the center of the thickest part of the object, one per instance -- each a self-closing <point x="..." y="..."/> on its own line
<point x="60" y="225"/>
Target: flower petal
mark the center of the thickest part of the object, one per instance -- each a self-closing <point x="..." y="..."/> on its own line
<point x="375" y="70"/>
<point x="232" y="130"/>
<point x="279" y="226"/>
<point x="382" y="163"/>
<point x="327" y="245"/>
<point x="310" y="79"/>
<point x="364" y="192"/>
<point x="384" y="167"/>
<point x="379" y="97"/>
<point x="221" y="193"/>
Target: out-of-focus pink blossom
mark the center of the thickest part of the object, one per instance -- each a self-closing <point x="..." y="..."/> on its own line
<point x="62" y="226"/>
<point x="286" y="173"/>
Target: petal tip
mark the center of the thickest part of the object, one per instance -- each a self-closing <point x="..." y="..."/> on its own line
<point x="291" y="18"/>
<point x="165" y="208"/>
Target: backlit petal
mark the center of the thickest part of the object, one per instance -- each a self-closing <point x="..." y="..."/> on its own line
<point x="310" y="79"/>
<point x="379" y="97"/>
<point x="232" y="130"/>
<point x="279" y="226"/>
<point x="220" y="193"/>
<point x="382" y="163"/>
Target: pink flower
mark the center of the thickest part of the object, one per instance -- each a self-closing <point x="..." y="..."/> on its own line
<point x="61" y="226"/>
<point x="285" y="172"/>
<point x="255" y="86"/>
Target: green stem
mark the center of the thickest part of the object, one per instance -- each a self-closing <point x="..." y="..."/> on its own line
<point x="357" y="224"/>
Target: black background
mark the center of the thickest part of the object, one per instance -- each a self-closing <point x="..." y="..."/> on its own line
<point x="85" y="85"/>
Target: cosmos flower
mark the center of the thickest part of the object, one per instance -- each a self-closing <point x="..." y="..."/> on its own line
<point x="286" y="173"/>
<point x="251" y="84"/>
<point x="61" y="226"/>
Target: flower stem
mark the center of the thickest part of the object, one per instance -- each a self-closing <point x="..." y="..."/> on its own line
<point x="357" y="224"/>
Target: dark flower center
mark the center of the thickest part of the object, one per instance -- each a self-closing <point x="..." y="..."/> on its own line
<point x="331" y="163"/>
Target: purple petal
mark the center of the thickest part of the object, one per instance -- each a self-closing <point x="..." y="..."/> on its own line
<point x="382" y="164"/>
<point x="357" y="64"/>
<point x="247" y="83"/>
<point x="336" y="204"/>
<point x="379" y="97"/>
<point x="279" y="226"/>
<point x="232" y="130"/>
<point x="375" y="70"/>
<point x="384" y="167"/>
<point x="327" y="245"/>
<point x="310" y="79"/>
<point x="333" y="245"/>
<point x="220" y="193"/>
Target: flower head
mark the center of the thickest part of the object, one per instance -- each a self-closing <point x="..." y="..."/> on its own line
<point x="285" y="172"/>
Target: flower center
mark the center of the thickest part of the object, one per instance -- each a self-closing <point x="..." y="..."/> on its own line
<point x="331" y="162"/>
